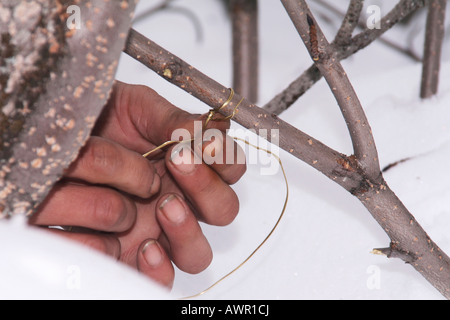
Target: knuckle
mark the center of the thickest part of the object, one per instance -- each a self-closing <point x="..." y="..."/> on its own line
<point x="129" y="94"/>
<point x="227" y="212"/>
<point x="236" y="163"/>
<point x="223" y="211"/>
<point x="236" y="173"/>
<point x="110" y="211"/>
<point x="144" y="90"/>
<point x="230" y="214"/>
<point x="145" y="176"/>
<point x="101" y="157"/>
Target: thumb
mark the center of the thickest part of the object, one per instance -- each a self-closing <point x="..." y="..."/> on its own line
<point x="137" y="116"/>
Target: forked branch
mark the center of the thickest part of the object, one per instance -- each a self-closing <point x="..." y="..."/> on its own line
<point x="330" y="67"/>
<point x="408" y="52"/>
<point x="298" y="87"/>
<point x="407" y="237"/>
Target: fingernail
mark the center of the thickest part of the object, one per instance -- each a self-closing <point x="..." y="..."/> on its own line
<point x="173" y="209"/>
<point x="152" y="253"/>
<point x="183" y="159"/>
<point x="156" y="184"/>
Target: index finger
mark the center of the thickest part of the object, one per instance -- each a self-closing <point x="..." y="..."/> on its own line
<point x="140" y="119"/>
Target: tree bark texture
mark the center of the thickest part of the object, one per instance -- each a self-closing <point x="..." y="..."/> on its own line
<point x="349" y="24"/>
<point x="331" y="69"/>
<point x="408" y="240"/>
<point x="244" y="15"/>
<point x="434" y="38"/>
<point x="54" y="82"/>
<point x="393" y="44"/>
<point x="304" y="82"/>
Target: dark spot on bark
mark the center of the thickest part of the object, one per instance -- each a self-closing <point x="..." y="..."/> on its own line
<point x="363" y="187"/>
<point x="175" y="70"/>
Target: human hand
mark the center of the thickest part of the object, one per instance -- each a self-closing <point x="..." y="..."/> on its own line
<point x="144" y="212"/>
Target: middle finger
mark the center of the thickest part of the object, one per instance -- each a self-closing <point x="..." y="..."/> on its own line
<point x="214" y="200"/>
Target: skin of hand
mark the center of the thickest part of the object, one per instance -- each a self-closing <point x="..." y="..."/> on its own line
<point x="144" y="212"/>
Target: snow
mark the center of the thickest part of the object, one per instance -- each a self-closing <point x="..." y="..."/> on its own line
<point x="321" y="250"/>
<point x="39" y="265"/>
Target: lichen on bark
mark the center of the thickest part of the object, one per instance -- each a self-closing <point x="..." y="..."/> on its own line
<point x="54" y="83"/>
<point x="31" y="47"/>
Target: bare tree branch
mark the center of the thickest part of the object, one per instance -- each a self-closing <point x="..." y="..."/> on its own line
<point x="434" y="39"/>
<point x="298" y="87"/>
<point x="362" y="25"/>
<point x="244" y="15"/>
<point x="408" y="239"/>
<point x="151" y="11"/>
<point x="351" y="21"/>
<point x="183" y="75"/>
<point x="401" y="11"/>
<point x="330" y="67"/>
<point x="166" y="5"/>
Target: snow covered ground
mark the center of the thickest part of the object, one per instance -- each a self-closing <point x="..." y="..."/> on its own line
<point x="321" y="249"/>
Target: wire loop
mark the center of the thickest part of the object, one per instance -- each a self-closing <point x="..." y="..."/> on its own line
<point x="213" y="112"/>
<point x="209" y="118"/>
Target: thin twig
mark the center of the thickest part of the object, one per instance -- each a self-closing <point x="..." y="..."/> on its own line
<point x="245" y="47"/>
<point x="362" y="25"/>
<point x="183" y="75"/>
<point x="355" y="118"/>
<point x="151" y="11"/>
<point x="434" y="39"/>
<point x="298" y="87"/>
<point x="166" y="5"/>
<point x="350" y="22"/>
